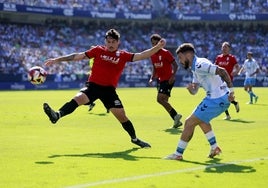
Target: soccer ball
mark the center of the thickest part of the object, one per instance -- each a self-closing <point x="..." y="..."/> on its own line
<point x="37" y="75"/>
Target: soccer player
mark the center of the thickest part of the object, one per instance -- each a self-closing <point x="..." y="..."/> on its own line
<point x="109" y="62"/>
<point x="164" y="70"/>
<point x="219" y="92"/>
<point x="229" y="62"/>
<point x="251" y="68"/>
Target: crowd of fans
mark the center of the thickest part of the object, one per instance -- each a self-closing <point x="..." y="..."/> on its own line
<point x="174" y="6"/>
<point x="25" y="45"/>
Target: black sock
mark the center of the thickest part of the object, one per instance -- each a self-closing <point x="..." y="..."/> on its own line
<point x="234" y="102"/>
<point x="129" y="128"/>
<point x="173" y="113"/>
<point x="68" y="108"/>
<point x="227" y="113"/>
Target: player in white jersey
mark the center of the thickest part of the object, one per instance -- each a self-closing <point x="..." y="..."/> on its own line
<point x="219" y="92"/>
<point x="251" y="68"/>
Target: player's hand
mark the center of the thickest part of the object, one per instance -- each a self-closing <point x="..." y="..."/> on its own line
<point x="150" y="82"/>
<point x="192" y="88"/>
<point x="50" y="62"/>
<point x="162" y="43"/>
<point x="231" y="97"/>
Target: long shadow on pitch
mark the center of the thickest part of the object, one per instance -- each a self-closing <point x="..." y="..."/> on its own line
<point x="215" y="166"/>
<point x="125" y="155"/>
<point x="241" y="121"/>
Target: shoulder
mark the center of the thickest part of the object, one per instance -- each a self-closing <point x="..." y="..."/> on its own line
<point x="124" y="52"/>
<point x="219" y="56"/>
<point x="232" y="56"/>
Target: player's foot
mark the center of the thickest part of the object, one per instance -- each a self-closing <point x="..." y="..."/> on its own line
<point x="140" y="143"/>
<point x="237" y="108"/>
<point x="177" y="122"/>
<point x="256" y="99"/>
<point x="53" y="116"/>
<point x="107" y="111"/>
<point x="228" y="117"/>
<point x="91" y="106"/>
<point x="250" y="102"/>
<point x="214" y="152"/>
<point x="174" y="156"/>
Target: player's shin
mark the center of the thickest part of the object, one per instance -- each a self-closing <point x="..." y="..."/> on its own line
<point x="68" y="108"/>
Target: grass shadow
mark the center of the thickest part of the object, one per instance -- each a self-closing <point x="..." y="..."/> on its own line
<point x="98" y="114"/>
<point x="44" y="162"/>
<point x="241" y="121"/>
<point x="215" y="166"/>
<point x="125" y="155"/>
<point x="173" y="130"/>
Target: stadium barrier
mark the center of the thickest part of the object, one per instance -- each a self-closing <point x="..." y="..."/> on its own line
<point x="20" y="82"/>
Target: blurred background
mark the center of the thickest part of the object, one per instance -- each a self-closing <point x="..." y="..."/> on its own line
<point x="32" y="31"/>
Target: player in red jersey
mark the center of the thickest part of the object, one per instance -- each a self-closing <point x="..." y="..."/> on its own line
<point x="164" y="70"/>
<point x="109" y="63"/>
<point x="229" y="62"/>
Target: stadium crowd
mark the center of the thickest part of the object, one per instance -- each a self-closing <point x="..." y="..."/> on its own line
<point x="25" y="45"/>
<point x="183" y="6"/>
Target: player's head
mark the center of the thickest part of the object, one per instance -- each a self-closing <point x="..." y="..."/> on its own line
<point x="112" y="39"/>
<point x="225" y="48"/>
<point x="155" y="38"/>
<point x="249" y="55"/>
<point x="185" y="53"/>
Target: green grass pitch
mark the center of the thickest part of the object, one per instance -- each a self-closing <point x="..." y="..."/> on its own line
<point x="91" y="149"/>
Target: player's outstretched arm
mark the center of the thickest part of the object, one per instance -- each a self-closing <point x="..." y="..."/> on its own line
<point x="148" y="53"/>
<point x="69" y="57"/>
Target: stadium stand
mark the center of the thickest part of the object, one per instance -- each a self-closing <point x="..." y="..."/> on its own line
<point x="24" y="45"/>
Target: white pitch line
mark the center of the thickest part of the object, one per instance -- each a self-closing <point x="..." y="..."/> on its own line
<point x="104" y="182"/>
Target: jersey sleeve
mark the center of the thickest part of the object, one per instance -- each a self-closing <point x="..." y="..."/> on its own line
<point x="205" y="67"/>
<point x="90" y="53"/>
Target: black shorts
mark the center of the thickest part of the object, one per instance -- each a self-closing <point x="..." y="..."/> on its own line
<point x="106" y="94"/>
<point x="165" y="88"/>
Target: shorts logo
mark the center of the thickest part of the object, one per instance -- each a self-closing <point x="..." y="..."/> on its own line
<point x="117" y="102"/>
<point x="203" y="108"/>
<point x="221" y="104"/>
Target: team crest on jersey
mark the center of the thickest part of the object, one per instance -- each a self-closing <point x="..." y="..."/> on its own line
<point x="117" y="53"/>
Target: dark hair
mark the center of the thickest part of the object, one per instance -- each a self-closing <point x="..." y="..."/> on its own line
<point x="113" y="34"/>
<point x="156" y="37"/>
<point x="185" y="47"/>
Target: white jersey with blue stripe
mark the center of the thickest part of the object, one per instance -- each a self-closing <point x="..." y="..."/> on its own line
<point x="204" y="73"/>
<point x="250" y="66"/>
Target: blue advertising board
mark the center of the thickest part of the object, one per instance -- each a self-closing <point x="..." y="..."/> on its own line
<point x="141" y="15"/>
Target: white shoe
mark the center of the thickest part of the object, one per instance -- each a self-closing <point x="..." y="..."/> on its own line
<point x="214" y="152"/>
<point x="174" y="156"/>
